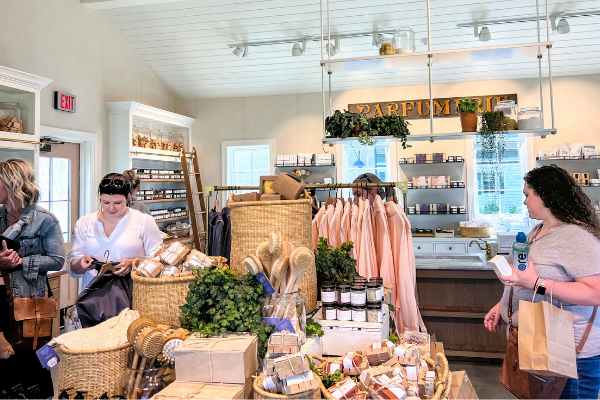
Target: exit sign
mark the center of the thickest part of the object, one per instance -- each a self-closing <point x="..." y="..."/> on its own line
<point x="64" y="102"/>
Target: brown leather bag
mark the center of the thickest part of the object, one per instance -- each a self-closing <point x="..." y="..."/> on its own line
<point x="30" y="325"/>
<point x="524" y="385"/>
<point x="6" y="350"/>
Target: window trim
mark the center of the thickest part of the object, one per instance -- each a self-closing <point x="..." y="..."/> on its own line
<point x="225" y="144"/>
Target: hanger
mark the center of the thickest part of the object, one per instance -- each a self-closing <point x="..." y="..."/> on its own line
<point x="107" y="267"/>
<point x="217" y="207"/>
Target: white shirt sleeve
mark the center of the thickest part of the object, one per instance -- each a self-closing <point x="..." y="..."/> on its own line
<point x="79" y="238"/>
<point x="151" y="236"/>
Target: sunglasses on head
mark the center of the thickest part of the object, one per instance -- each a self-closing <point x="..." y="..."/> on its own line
<point x="116" y="182"/>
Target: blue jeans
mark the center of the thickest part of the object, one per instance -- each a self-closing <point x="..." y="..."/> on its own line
<point x="588" y="384"/>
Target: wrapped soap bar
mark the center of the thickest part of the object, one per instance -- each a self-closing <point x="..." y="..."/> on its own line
<point x="150" y="268"/>
<point x="354" y="363"/>
<point x="290" y="365"/>
<point x="331" y="366"/>
<point x="270" y="383"/>
<point x="284" y="343"/>
<point x="407" y="350"/>
<point x="344" y="389"/>
<point x="371" y="375"/>
<point x="381" y="344"/>
<point x="174" y="254"/>
<point x="196" y="259"/>
<point x="299" y="383"/>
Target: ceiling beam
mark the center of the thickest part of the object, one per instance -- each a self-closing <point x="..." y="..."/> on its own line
<point x="110" y="4"/>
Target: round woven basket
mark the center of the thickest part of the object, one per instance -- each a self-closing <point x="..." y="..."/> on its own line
<point x="96" y="371"/>
<point x="260" y="393"/>
<point x="253" y="221"/>
<point x="477" y="232"/>
<point x="324" y="392"/>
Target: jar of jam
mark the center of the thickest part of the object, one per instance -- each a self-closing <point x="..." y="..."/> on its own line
<point x="343" y="293"/>
<point x="330" y="312"/>
<point x="328" y="293"/>
<point x="359" y="313"/>
<point x="358" y="295"/>
<point x="374" y="313"/>
<point x="344" y="312"/>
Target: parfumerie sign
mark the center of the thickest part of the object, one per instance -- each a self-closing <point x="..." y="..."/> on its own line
<point x="415" y="109"/>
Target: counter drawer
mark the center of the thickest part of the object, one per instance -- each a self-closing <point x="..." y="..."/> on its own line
<point x="450" y="248"/>
<point x="423" y="247"/>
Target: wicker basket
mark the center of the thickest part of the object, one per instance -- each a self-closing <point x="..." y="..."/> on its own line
<point x="160" y="298"/>
<point x="253" y="221"/>
<point x="96" y="371"/>
<point x="443" y="377"/>
<point x="260" y="393"/>
<point x="477" y="232"/>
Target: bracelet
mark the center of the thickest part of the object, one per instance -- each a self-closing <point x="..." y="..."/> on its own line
<point x="535" y="284"/>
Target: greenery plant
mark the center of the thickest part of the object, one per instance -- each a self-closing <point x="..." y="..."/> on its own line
<point x="390" y="125"/>
<point x="344" y="124"/>
<point x="365" y="140"/>
<point x="469" y="105"/>
<point x="220" y="301"/>
<point x="313" y="328"/>
<point x="334" y="263"/>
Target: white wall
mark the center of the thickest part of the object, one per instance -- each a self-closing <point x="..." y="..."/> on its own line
<point x="85" y="54"/>
<point x="295" y="121"/>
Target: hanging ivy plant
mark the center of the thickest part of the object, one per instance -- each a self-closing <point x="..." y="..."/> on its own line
<point x="390" y="125"/>
<point x="492" y="137"/>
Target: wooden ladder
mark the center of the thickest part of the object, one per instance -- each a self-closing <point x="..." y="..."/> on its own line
<point x="198" y="236"/>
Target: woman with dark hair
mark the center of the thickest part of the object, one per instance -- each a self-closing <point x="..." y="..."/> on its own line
<point x="116" y="233"/>
<point x="564" y="260"/>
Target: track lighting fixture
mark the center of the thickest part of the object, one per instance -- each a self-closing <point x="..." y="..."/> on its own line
<point x="241" y="51"/>
<point x="334" y="49"/>
<point x="297" y="50"/>
<point x="484" y="34"/>
<point x="562" y="27"/>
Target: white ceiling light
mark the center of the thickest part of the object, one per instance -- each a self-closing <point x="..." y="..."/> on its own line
<point x="334" y="49"/>
<point x="241" y="51"/>
<point x="297" y="50"/>
<point x="484" y="34"/>
<point x="562" y="27"/>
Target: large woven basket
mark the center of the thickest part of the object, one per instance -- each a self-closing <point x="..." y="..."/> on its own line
<point x="253" y="221"/>
<point x="96" y="371"/>
<point x="477" y="232"/>
<point x="260" y="393"/>
<point x="160" y="298"/>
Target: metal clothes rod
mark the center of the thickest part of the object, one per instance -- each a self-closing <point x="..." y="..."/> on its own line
<point x="40" y="144"/>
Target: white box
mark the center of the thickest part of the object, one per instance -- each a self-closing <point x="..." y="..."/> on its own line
<point x="280" y="157"/>
<point x="501" y="266"/>
<point x="342" y="337"/>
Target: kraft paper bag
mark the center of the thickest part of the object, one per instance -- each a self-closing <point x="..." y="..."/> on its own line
<point x="546" y="340"/>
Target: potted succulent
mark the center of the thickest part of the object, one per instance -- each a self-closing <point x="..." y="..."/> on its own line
<point x="468" y="114"/>
<point x="345" y="124"/>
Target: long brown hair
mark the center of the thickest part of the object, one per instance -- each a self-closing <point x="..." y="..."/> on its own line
<point x="565" y="198"/>
<point x="18" y="177"/>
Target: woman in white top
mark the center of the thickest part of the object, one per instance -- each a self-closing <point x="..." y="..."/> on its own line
<point x="118" y="231"/>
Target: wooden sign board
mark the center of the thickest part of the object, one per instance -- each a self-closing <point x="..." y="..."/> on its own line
<point x="415" y="109"/>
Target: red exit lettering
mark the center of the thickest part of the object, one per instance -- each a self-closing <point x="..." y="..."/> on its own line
<point x="66" y="102"/>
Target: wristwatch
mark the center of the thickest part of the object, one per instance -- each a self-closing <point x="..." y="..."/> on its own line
<point x="542" y="287"/>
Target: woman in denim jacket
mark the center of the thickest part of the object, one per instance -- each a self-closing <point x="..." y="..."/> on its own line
<point x="42" y="250"/>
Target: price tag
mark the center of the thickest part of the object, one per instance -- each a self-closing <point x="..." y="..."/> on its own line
<point x="47" y="357"/>
<point x="285" y="325"/>
<point x="264" y="281"/>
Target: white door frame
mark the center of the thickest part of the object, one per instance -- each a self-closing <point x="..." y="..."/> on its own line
<point x="88" y="164"/>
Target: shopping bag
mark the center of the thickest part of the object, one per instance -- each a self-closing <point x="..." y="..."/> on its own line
<point x="546" y="340"/>
<point x="105" y="297"/>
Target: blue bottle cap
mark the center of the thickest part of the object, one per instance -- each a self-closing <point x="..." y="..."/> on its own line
<point x="521" y="237"/>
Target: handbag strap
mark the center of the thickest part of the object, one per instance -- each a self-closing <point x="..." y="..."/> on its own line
<point x="6" y="276"/>
<point x="585" y="335"/>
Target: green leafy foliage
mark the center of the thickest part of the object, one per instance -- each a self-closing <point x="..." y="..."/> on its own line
<point x="345" y="124"/>
<point x="393" y="337"/>
<point x="365" y="140"/>
<point x="469" y="105"/>
<point x="334" y="263"/>
<point x="313" y="328"/>
<point x="328" y="379"/>
<point x="219" y="301"/>
<point x="390" y="125"/>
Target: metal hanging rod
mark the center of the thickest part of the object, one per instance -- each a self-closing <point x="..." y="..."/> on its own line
<point x="40" y="144"/>
<point x="359" y="185"/>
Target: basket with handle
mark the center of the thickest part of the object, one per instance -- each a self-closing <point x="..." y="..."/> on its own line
<point x="477" y="232"/>
<point x="160" y="298"/>
<point x="96" y="371"/>
<point x="260" y="393"/>
<point x="253" y="221"/>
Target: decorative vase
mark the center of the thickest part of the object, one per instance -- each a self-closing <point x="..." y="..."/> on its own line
<point x="468" y="121"/>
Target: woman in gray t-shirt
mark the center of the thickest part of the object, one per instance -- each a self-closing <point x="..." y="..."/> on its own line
<point x="565" y="259"/>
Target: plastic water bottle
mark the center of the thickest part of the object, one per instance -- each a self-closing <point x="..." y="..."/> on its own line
<point x="521" y="251"/>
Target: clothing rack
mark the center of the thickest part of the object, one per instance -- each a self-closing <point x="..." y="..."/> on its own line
<point x="360" y="185"/>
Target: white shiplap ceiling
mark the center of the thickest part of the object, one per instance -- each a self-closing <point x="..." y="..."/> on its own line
<point x="186" y="43"/>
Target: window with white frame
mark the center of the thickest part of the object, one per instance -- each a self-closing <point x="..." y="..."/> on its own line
<point x="55" y="190"/>
<point x="498" y="189"/>
<point x="245" y="163"/>
<point x="359" y="159"/>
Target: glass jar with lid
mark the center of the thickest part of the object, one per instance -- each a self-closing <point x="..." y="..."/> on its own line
<point x="530" y="118"/>
<point x="329" y="312"/>
<point x="135" y="134"/>
<point x="343" y="293"/>
<point x="167" y="141"/>
<point x="372" y="291"/>
<point x="155" y="139"/>
<point x="511" y="110"/>
<point x="386" y="46"/>
<point x="10" y="117"/>
<point x="358" y="295"/>
<point x="405" y="40"/>
<point x="178" y="143"/>
<point x="344" y="312"/>
<point x="144" y="137"/>
<point x="328" y="293"/>
<point x="381" y="290"/>
<point x="359" y="313"/>
<point x="360" y="279"/>
<point x="374" y="312"/>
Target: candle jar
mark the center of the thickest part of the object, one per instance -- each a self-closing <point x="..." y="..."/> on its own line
<point x="405" y="41"/>
<point x="530" y="118"/>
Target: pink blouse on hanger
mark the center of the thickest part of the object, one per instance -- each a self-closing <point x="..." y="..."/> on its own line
<point x="335" y="225"/>
<point x="383" y="246"/>
<point x="354" y="231"/>
<point x="367" y="262"/>
<point x="315" y="226"/>
<point x="324" y="224"/>
<point x="346" y="217"/>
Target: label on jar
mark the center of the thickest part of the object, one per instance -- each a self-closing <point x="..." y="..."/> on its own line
<point x="359" y="315"/>
<point x="358" y="298"/>
<point x="380" y="294"/>
<point x="327" y="297"/>
<point x="331" y="314"/>
<point x="380" y="317"/>
<point x="344" y="315"/>
<point x="345" y="297"/>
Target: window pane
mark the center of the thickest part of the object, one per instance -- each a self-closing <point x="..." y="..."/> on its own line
<point x="375" y="159"/>
<point x="247" y="164"/>
<point x="242" y="179"/>
<point x="44" y="178"/>
<point x="260" y="159"/>
<point x="61" y="209"/>
<point x="242" y="160"/>
<point x="61" y="178"/>
<point x="44" y="204"/>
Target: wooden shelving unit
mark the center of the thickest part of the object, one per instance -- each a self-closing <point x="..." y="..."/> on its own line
<point x="163" y="200"/>
<point x="162" y="180"/>
<point x="172" y="219"/>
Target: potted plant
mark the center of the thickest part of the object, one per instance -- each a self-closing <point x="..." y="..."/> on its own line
<point x="345" y="124"/>
<point x="390" y="125"/>
<point x="468" y="114"/>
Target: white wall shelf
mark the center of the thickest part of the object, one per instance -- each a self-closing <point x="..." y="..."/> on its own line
<point x="455" y="56"/>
